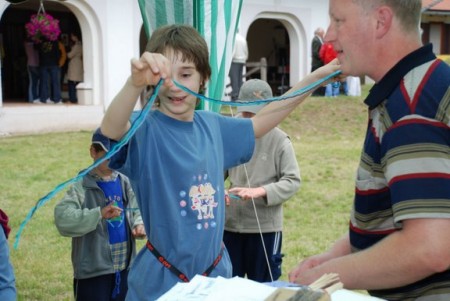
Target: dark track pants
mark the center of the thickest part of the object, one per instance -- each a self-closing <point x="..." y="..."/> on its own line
<point x="100" y="288"/>
<point x="248" y="258"/>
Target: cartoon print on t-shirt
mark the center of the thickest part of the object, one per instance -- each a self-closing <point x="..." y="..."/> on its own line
<point x="202" y="198"/>
<point x="116" y="201"/>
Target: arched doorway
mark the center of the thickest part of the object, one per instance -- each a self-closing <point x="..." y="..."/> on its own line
<point x="282" y="37"/>
<point x="269" y="38"/>
<point x="12" y="34"/>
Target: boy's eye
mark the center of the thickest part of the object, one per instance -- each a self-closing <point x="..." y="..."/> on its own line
<point x="186" y="75"/>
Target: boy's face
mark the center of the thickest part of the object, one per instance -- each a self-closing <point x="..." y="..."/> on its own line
<point x="103" y="167"/>
<point x="175" y="102"/>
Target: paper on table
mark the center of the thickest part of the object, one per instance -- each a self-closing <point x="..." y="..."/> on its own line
<point x="202" y="288"/>
<point x="346" y="295"/>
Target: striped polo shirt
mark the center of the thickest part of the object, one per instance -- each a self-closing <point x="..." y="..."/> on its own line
<point x="404" y="171"/>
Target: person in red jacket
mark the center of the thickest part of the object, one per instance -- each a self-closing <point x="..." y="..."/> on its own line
<point x="327" y="54"/>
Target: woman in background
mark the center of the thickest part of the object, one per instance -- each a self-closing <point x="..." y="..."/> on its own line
<point x="75" y="69"/>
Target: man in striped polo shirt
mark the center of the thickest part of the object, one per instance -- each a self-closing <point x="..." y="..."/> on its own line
<point x="398" y="244"/>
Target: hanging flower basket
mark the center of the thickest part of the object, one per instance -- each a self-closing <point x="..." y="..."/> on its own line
<point x="43" y="27"/>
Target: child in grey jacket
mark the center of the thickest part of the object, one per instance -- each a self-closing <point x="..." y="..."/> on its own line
<point x="269" y="179"/>
<point x="100" y="213"/>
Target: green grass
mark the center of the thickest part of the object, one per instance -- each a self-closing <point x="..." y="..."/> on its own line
<point x="327" y="135"/>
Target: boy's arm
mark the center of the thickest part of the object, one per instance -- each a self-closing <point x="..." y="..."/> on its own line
<point x="146" y="71"/>
<point x="72" y="220"/>
<point x="116" y="123"/>
<point x="288" y="173"/>
<point x="272" y="114"/>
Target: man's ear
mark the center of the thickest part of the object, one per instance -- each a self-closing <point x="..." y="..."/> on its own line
<point x="385" y="17"/>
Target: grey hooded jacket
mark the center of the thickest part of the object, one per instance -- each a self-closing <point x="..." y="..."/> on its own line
<point x="78" y="215"/>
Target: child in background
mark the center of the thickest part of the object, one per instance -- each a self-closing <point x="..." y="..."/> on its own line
<point x="177" y="158"/>
<point x="100" y="214"/>
<point x="269" y="179"/>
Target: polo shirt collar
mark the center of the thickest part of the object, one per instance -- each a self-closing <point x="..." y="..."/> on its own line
<point x="381" y="90"/>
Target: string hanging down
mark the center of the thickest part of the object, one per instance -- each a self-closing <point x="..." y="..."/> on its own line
<point x="137" y="123"/>
<point x="134" y="126"/>
<point x="256" y="102"/>
<point x="41" y="9"/>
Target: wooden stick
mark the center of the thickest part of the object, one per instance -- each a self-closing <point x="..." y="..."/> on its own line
<point x="325" y="281"/>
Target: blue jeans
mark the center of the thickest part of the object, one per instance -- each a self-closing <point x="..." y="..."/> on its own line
<point x="33" y="87"/>
<point x="235" y="74"/>
<point x="331" y="90"/>
<point x="53" y="82"/>
<point x="73" y="91"/>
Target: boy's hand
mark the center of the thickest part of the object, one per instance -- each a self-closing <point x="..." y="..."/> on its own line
<point x="138" y="232"/>
<point x="149" y="69"/>
<point x="246" y="193"/>
<point x="328" y="69"/>
<point x="111" y="211"/>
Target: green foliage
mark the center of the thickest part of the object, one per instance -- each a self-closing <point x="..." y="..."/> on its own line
<point x="327" y="135"/>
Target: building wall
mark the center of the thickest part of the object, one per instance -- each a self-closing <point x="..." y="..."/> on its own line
<point x="300" y="18"/>
<point x="111" y="31"/>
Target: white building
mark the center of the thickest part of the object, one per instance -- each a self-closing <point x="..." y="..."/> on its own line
<point x="112" y="34"/>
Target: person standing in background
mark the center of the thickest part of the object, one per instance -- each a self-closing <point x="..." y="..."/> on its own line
<point x="327" y="54"/>
<point x="316" y="62"/>
<point x="49" y="55"/>
<point x="33" y="70"/>
<point x="62" y="61"/>
<point x="274" y="176"/>
<point x="75" y="69"/>
<point x="240" y="56"/>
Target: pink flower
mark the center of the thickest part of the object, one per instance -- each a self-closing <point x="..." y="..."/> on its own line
<point x="43" y="26"/>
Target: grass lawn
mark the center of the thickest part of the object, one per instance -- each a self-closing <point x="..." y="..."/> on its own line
<point x="327" y="135"/>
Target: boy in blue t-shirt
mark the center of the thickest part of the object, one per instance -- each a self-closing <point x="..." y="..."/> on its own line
<point x="177" y="158"/>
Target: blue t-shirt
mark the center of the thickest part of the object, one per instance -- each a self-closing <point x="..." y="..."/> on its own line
<point x="177" y="169"/>
<point x="116" y="226"/>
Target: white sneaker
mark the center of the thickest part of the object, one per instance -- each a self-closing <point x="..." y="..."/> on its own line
<point x="49" y="101"/>
<point x="37" y="101"/>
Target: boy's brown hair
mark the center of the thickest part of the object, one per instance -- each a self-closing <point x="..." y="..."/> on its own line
<point x="185" y="41"/>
